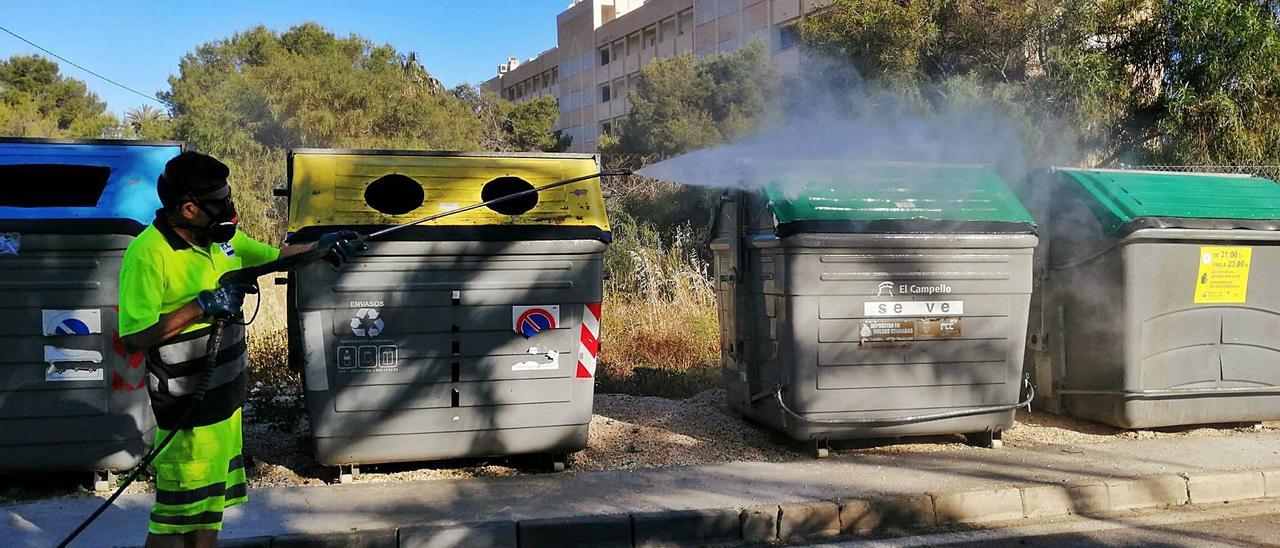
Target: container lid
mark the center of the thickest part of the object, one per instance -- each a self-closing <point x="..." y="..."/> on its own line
<point x="46" y="180"/>
<point x="896" y="198"/>
<point x="367" y="188"/>
<point x="1124" y="201"/>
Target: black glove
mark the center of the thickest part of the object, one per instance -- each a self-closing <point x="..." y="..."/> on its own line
<point x="342" y="246"/>
<point x="224" y="302"/>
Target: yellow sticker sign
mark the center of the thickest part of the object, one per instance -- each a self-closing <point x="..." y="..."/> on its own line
<point x="1224" y="275"/>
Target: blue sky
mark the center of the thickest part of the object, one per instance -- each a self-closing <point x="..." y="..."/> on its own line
<point x="139" y="43"/>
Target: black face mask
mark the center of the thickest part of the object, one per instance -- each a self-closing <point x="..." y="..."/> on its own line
<point x="222" y="221"/>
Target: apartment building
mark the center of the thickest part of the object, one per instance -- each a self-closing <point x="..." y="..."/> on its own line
<point x="603" y="44"/>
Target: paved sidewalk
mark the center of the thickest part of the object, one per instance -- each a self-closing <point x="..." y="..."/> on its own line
<point x="363" y="507"/>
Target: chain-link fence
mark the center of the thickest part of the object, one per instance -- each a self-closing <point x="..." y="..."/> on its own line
<point x="1266" y="171"/>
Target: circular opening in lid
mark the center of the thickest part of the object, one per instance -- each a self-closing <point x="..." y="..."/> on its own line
<point x="394" y="194"/>
<point x="506" y="186"/>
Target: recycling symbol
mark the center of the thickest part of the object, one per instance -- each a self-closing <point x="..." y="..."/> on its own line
<point x="366" y="323"/>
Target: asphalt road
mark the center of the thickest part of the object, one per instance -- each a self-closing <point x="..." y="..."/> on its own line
<point x="1241" y="524"/>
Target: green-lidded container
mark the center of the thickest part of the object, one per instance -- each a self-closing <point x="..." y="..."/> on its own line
<point x="898" y="198"/>
<point x="1125" y="201"/>
<point x="1156" y="307"/>
<point x="875" y="300"/>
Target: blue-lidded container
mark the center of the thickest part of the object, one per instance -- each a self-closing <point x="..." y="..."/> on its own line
<point x="64" y="180"/>
<point x="71" y="398"/>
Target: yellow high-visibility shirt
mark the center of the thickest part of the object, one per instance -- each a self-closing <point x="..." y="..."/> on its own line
<point x="161" y="272"/>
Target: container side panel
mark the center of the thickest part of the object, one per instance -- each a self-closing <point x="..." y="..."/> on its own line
<point x="432" y="350"/>
<point x="57" y="302"/>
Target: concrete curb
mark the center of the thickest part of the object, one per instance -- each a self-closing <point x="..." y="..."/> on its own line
<point x="819" y="519"/>
<point x="498" y="534"/>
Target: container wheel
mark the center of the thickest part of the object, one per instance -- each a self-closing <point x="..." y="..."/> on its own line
<point x="104" y="481"/>
<point x="989" y="439"/>
<point x="347" y="473"/>
<point x="821" y="449"/>
<point x="558" y="463"/>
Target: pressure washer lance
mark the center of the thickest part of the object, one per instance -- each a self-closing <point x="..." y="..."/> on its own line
<point x="249" y="276"/>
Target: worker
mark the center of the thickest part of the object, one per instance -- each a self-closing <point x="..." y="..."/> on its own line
<point x="169" y="295"/>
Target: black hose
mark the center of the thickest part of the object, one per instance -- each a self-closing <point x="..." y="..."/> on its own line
<point x="211" y="361"/>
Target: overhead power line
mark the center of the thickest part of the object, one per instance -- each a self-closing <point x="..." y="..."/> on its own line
<point x="81" y="67"/>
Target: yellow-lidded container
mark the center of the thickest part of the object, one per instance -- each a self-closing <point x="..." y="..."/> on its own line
<point x="331" y="188"/>
<point x="472" y="336"/>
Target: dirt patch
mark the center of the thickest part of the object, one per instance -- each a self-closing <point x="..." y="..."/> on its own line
<point x="645" y="431"/>
<point x="1039" y="428"/>
<point x="626" y="432"/>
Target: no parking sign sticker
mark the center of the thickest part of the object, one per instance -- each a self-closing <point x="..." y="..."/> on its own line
<point x="531" y="320"/>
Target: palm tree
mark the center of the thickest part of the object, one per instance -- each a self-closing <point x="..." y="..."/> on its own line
<point x="143" y="116"/>
<point x="147" y="121"/>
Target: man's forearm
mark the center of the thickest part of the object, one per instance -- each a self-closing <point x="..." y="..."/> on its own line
<point x="168" y="326"/>
<point x="295" y="249"/>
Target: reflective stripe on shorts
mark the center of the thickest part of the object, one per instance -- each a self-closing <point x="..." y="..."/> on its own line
<point x="207" y="518"/>
<point x="174" y="498"/>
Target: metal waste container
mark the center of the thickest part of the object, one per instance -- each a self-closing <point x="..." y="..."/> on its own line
<point x="472" y="336"/>
<point x="1158" y="306"/>
<point x="71" y="399"/>
<point x="887" y="300"/>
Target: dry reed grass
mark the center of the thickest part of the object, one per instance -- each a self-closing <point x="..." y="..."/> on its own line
<point x="659" y="326"/>
<point x="274" y="391"/>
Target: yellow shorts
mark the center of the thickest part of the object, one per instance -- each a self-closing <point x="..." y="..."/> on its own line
<point x="198" y="475"/>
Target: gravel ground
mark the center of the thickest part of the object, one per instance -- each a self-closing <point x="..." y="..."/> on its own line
<point x="626" y="432"/>
<point x="647" y="432"/>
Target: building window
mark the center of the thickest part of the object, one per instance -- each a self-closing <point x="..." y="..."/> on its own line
<point x="606" y="93"/>
<point x="667" y="29"/>
<point x="619" y="49"/>
<point x="650" y="37"/>
<point x="633" y="43"/>
<point x="604" y="56"/>
<point x="685" y="23"/>
<point x="788" y="37"/>
<point x="606" y="127"/>
<point x="555" y="74"/>
<point x="704" y="11"/>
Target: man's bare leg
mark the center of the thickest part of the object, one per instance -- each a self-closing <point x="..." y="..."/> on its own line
<point x="194" y="539"/>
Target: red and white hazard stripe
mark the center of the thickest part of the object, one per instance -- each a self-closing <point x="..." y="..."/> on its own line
<point x="589" y="342"/>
